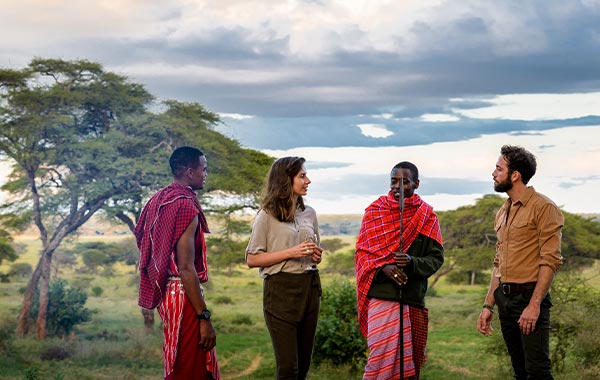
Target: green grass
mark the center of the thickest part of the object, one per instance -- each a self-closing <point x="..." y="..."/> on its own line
<point x="114" y="344"/>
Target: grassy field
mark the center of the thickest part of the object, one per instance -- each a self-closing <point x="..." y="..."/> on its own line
<point x="114" y="344"/>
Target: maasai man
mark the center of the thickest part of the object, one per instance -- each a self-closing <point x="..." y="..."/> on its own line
<point x="391" y="281"/>
<point x="170" y="236"/>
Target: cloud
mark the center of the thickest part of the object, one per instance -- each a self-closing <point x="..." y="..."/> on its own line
<point x="536" y="107"/>
<point x="377" y="131"/>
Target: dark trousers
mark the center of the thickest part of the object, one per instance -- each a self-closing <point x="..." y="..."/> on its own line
<point x="529" y="354"/>
<point x="291" y="307"/>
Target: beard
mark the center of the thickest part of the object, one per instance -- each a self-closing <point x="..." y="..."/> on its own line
<point x="504" y="186"/>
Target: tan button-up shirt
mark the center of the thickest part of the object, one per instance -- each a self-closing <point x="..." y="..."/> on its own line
<point x="529" y="235"/>
<point x="271" y="235"/>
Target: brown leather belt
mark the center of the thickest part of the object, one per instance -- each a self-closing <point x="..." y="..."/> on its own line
<point x="508" y="288"/>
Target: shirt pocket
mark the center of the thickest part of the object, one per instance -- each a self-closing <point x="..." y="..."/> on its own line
<point x="521" y="230"/>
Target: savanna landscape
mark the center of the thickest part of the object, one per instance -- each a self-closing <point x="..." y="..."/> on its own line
<point x="114" y="344"/>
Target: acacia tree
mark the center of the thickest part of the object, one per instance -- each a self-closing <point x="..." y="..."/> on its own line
<point x="82" y="139"/>
<point x="469" y="236"/>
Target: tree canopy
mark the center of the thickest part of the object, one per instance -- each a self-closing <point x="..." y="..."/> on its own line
<point x="82" y="139"/>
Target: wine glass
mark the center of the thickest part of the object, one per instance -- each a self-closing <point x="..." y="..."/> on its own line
<point x="308" y="235"/>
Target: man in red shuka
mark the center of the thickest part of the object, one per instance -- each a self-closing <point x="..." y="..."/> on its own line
<point x="170" y="237"/>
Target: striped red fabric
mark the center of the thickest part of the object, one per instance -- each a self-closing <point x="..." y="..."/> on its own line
<point x="383" y="341"/>
<point x="419" y="321"/>
<point x="184" y="360"/>
<point x="379" y="238"/>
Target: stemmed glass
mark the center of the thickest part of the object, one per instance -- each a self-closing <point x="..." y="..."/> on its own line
<point x="308" y="235"/>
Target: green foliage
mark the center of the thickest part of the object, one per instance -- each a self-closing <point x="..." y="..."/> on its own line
<point x="7" y="251"/>
<point x="97" y="291"/>
<point x="20" y="270"/>
<point x="222" y="300"/>
<point x="338" y="338"/>
<point x="242" y="319"/>
<point x="66" y="308"/>
<point x="227" y="249"/>
<point x="333" y="244"/>
<point x="580" y="241"/>
<point x="340" y="263"/>
<point x="576" y="322"/>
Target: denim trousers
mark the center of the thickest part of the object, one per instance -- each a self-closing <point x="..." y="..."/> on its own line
<point x="291" y="307"/>
<point x="529" y="354"/>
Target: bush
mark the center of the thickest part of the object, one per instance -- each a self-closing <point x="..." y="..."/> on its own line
<point x="338" y="338"/>
<point x="55" y="353"/>
<point x="97" y="291"/>
<point x="222" y="300"/>
<point x="340" y="263"/>
<point x="20" y="270"/>
<point x="242" y="319"/>
<point x="66" y="308"/>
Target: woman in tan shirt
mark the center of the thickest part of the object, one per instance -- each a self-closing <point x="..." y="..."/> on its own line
<point x="284" y="245"/>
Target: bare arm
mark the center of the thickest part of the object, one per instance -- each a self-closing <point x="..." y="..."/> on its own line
<point x="265" y="259"/>
<point x="185" y="251"/>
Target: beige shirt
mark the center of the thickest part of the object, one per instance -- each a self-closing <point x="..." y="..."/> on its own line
<point x="271" y="235"/>
<point x="529" y="236"/>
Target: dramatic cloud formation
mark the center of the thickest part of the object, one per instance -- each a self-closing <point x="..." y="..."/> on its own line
<point x="358" y="78"/>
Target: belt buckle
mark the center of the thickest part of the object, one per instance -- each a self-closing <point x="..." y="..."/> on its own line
<point x="506" y="289"/>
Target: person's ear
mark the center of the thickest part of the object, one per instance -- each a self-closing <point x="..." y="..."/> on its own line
<point x="416" y="186"/>
<point x="515" y="176"/>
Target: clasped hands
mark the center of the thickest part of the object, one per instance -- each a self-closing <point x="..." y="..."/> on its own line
<point x="307" y="248"/>
<point x="394" y="271"/>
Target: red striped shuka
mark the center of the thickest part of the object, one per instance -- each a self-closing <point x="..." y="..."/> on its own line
<point x="378" y="240"/>
<point x="162" y="222"/>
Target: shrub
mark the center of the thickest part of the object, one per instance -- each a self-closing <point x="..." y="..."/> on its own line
<point x="242" y="319"/>
<point x="66" y="308"/>
<point x="55" y="353"/>
<point x="97" y="291"/>
<point x="338" y="338"/>
<point x="20" y="270"/>
<point x="223" y="300"/>
<point x="340" y="263"/>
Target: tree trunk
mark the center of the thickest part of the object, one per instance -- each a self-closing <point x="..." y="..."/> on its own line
<point x="472" y="278"/>
<point x="439" y="275"/>
<point x="40" y="325"/>
<point x="23" y="321"/>
<point x="148" y="319"/>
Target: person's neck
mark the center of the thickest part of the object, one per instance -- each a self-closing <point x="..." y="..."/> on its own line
<point x="181" y="182"/>
<point x="517" y="191"/>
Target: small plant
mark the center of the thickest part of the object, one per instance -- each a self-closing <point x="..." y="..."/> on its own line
<point x="242" y="319"/>
<point x="66" y="308"/>
<point x="223" y="300"/>
<point x="338" y="338"/>
<point x="57" y="353"/>
<point x="97" y="291"/>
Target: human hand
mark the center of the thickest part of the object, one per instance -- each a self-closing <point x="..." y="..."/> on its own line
<point x="528" y="319"/>
<point x="317" y="253"/>
<point x="208" y="336"/>
<point x="304" y="249"/>
<point x="402" y="259"/>
<point x="484" y="322"/>
<point x="395" y="274"/>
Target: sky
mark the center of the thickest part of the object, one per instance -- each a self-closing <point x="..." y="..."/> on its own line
<point x="357" y="86"/>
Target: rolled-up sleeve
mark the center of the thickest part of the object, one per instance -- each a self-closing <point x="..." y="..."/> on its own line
<point x="550" y="225"/>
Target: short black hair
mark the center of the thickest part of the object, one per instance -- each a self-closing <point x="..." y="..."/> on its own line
<point x="184" y="157"/>
<point x="519" y="159"/>
<point x="410" y="166"/>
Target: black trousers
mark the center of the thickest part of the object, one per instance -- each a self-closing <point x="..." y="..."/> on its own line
<point x="529" y="354"/>
<point x="291" y="306"/>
